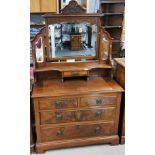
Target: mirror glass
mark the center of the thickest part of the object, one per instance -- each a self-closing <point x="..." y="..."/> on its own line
<point x="104" y="48"/>
<point x="72" y="40"/>
<point x="39" y="50"/>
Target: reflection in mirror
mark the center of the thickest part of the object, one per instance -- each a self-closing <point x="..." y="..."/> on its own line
<point x="39" y="50"/>
<point x="72" y="39"/>
<point x="105" y="48"/>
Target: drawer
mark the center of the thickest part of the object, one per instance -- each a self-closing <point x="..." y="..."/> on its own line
<point x="75" y="73"/>
<point x="62" y="103"/>
<point x="96" y="114"/>
<point x="98" y="100"/>
<point x="79" y="115"/>
<point x="76" y="131"/>
<point x="57" y="117"/>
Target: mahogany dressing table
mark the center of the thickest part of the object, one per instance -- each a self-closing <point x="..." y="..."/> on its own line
<point x="76" y="101"/>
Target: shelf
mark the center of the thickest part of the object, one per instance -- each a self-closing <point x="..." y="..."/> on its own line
<point x="111" y="14"/>
<point x="112" y="1"/>
<point x="37" y="25"/>
<point x="72" y="67"/>
<point x="110" y="27"/>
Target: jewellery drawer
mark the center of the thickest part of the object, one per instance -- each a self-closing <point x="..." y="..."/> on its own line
<point x="64" y="116"/>
<point x="57" y="117"/>
<point x="48" y="103"/>
<point x="76" y="131"/>
<point x="75" y="73"/>
<point x="98" y="100"/>
<point x="96" y="114"/>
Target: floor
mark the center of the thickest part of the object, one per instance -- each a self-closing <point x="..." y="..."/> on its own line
<point x="90" y="150"/>
<point x="81" y="52"/>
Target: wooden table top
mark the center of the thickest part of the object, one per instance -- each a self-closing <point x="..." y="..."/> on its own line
<point x="52" y="88"/>
<point x="120" y="61"/>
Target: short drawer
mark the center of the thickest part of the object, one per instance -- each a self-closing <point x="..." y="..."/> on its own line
<point x="98" y="100"/>
<point x="96" y="114"/>
<point x="57" y="117"/>
<point x="76" y="131"/>
<point x="75" y="73"/>
<point x="48" y="103"/>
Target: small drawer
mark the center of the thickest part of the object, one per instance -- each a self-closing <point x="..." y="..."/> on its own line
<point x="75" y="73"/>
<point x="97" y="101"/>
<point x="48" y="103"/>
<point x="76" y="131"/>
<point x="57" y="117"/>
<point x="96" y="114"/>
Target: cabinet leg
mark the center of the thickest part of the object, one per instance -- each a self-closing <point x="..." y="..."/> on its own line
<point x="115" y="142"/>
<point x="39" y="151"/>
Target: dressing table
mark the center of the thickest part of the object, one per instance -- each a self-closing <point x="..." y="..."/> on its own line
<point x="76" y="101"/>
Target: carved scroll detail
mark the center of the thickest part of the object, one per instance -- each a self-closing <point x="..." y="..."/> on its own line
<point x="73" y="8"/>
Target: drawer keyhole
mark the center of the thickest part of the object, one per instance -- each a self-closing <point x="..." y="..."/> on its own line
<point x="97" y="130"/>
<point x="58" y="104"/>
<point x="98" y="113"/>
<point x="58" y="117"/>
<point x="59" y="133"/>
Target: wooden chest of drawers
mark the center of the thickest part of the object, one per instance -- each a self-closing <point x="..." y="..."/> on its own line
<point x="120" y="77"/>
<point x="76" y="118"/>
<point x="76" y="42"/>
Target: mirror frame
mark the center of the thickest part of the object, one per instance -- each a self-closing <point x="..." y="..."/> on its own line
<point x="73" y="13"/>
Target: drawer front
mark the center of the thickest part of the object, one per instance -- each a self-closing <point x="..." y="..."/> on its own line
<point x="79" y="115"/>
<point x="76" y="131"/>
<point x="57" y="117"/>
<point x="96" y="114"/>
<point x="57" y="103"/>
<point x="77" y="73"/>
<point x="97" y="101"/>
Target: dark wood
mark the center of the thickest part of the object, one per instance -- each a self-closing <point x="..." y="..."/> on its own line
<point x="120" y="77"/>
<point x="73" y="8"/>
<point x="77" y="111"/>
<point x="76" y="42"/>
<point x="112" y="21"/>
<point x="32" y="132"/>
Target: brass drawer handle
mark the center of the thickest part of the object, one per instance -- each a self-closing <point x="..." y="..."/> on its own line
<point x="99" y="101"/>
<point x="60" y="133"/>
<point x="98" y="130"/>
<point x="98" y="113"/>
<point x="59" y="117"/>
<point x="58" y="104"/>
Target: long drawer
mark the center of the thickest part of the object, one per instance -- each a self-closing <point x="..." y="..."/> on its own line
<point x="65" y="116"/>
<point x="56" y="103"/>
<point x="76" y="131"/>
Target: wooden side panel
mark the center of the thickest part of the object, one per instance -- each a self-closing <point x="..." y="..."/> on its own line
<point x="48" y="5"/>
<point x="34" y="6"/>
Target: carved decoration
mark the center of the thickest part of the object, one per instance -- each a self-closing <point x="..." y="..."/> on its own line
<point x="73" y="8"/>
<point x="105" y="46"/>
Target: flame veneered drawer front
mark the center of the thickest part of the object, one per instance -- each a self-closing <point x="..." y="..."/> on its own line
<point x="76" y="131"/>
<point x="57" y="103"/>
<point x="96" y="114"/>
<point x="57" y="117"/>
<point x="77" y="115"/>
<point x="97" y="101"/>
